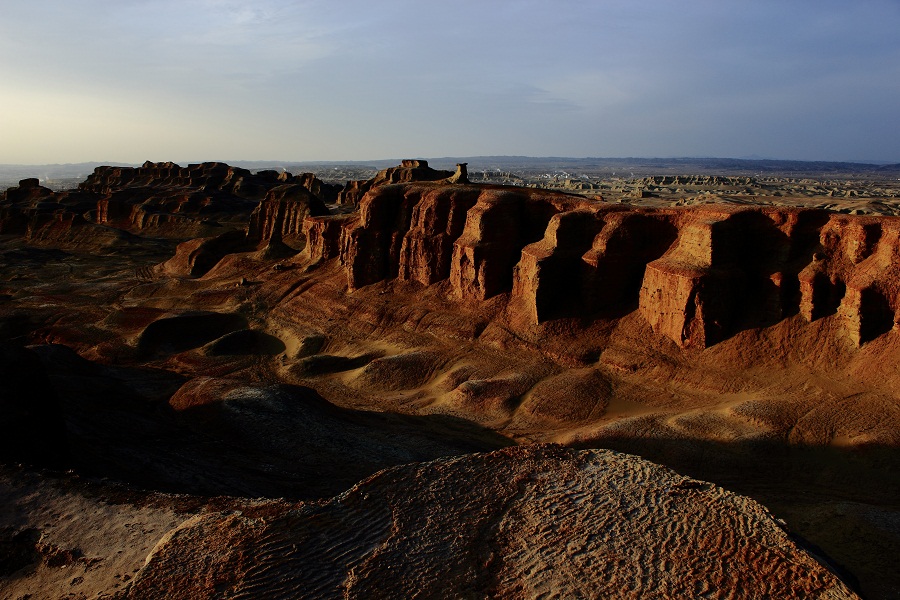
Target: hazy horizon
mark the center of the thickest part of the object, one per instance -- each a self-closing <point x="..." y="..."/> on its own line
<point x="161" y="80"/>
<point x="438" y="159"/>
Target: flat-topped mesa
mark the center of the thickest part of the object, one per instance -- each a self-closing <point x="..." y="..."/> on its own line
<point x="281" y="215"/>
<point x="211" y="175"/>
<point x="697" y="275"/>
<point x="160" y="193"/>
<point x="471" y="235"/>
<point x="409" y="170"/>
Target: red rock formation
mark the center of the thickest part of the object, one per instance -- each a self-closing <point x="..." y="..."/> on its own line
<point x="461" y="175"/>
<point x="408" y="231"/>
<point x="195" y="201"/>
<point x="164" y="193"/>
<point x="613" y="268"/>
<point x="546" y="278"/>
<point x="856" y="274"/>
<point x="736" y="267"/>
<point x="196" y="257"/>
<point x="497" y="228"/>
<point x="437" y="221"/>
<point x="323" y="236"/>
<point x="370" y="246"/>
<point x="206" y="176"/>
<point x="325" y="192"/>
<point x="29" y="206"/>
<point x="408" y="171"/>
<point x="280" y="216"/>
<point x="697" y="275"/>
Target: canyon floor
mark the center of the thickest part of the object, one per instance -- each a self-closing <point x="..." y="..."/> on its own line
<point x="216" y="386"/>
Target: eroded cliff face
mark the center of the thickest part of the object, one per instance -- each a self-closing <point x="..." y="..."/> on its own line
<point x="38" y="213"/>
<point x="158" y="193"/>
<point x="280" y="216"/>
<point x="697" y="275"/>
<point x="180" y="202"/>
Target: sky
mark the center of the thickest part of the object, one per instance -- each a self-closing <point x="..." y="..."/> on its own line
<point x="196" y="80"/>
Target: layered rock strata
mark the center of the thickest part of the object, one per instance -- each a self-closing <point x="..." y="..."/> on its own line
<point x="697" y="275"/>
<point x="171" y="200"/>
<point x="280" y="216"/>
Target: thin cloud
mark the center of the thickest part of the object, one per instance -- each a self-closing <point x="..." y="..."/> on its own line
<point x="360" y="80"/>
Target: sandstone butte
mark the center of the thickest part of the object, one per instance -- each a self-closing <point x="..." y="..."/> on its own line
<point x="303" y="338"/>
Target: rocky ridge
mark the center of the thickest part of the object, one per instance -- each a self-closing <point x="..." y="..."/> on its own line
<point x="169" y="200"/>
<point x="696" y="274"/>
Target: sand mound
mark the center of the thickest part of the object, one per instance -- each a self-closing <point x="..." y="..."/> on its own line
<point x="244" y="341"/>
<point x="184" y="332"/>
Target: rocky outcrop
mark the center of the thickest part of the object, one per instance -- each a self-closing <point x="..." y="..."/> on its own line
<point x="697" y="275"/>
<point x="202" y="200"/>
<point x="211" y="176"/>
<point x="461" y="175"/>
<point x="280" y="216"/>
<point x="613" y="267"/>
<point x="695" y="180"/>
<point x="323" y="236"/>
<point x="326" y="192"/>
<point x="856" y="274"/>
<point x="36" y="212"/>
<point x="164" y="194"/>
<point x="436" y="222"/>
<point x="546" y="282"/>
<point x="471" y="235"/>
<point x="734" y="268"/>
<point x="408" y="171"/>
<point x="159" y="194"/>
<point x="512" y="523"/>
<point x="195" y="258"/>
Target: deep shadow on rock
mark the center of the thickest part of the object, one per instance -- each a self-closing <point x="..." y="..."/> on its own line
<point x="32" y="428"/>
<point x="177" y="333"/>
<point x="245" y="341"/>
